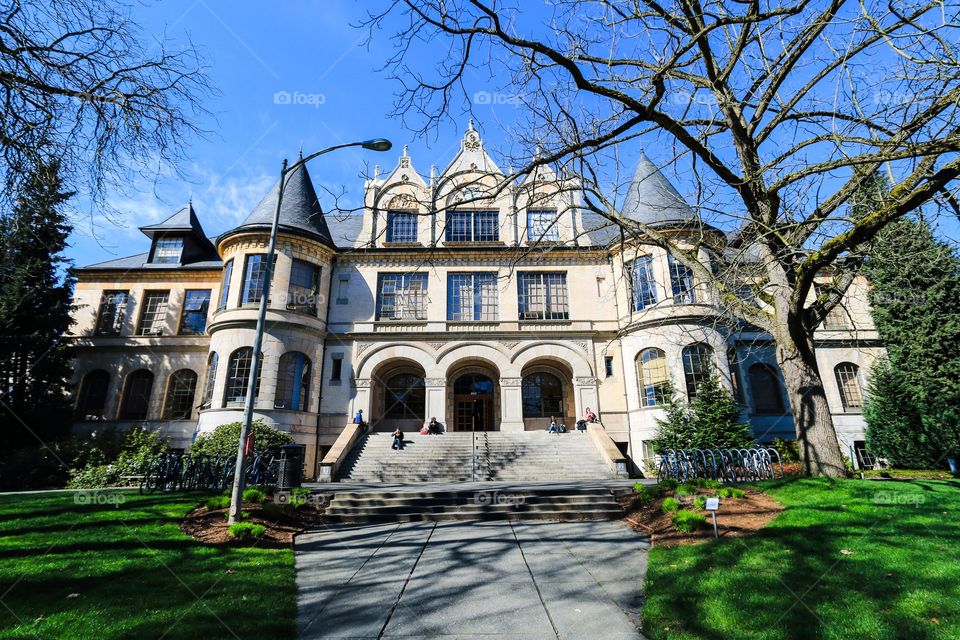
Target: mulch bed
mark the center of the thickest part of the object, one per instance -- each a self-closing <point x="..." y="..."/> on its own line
<point x="737" y="517"/>
<point x="210" y="526"/>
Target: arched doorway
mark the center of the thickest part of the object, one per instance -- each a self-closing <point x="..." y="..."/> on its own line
<point x="473" y="402"/>
<point x="399" y="397"/>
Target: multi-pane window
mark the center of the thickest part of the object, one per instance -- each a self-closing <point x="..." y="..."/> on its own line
<point x="225" y="285"/>
<point x="193" y="318"/>
<point x="472" y="226"/>
<point x="697" y="366"/>
<point x="402" y="296"/>
<point x="303" y="294"/>
<point x="180" y="392"/>
<point x="542" y="296"/>
<point x="542" y="225"/>
<point x="836" y="318"/>
<point x="93" y="395"/>
<point x="406" y="397"/>
<point x="113" y="310"/>
<point x="254" y="275"/>
<point x="336" y="367"/>
<point x="848" y="382"/>
<point x="153" y="313"/>
<point x="293" y="382"/>
<point x="401" y="226"/>
<point x="167" y="250"/>
<point x="654" y="378"/>
<point x="208" y="384"/>
<point x="681" y="282"/>
<point x="238" y="376"/>
<point x="542" y="396"/>
<point x="765" y="389"/>
<point x="136" y="396"/>
<point x="642" y="283"/>
<point x="472" y="296"/>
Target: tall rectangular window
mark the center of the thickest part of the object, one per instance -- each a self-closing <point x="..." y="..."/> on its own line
<point x="681" y="282"/>
<point x="472" y="296"/>
<point x="472" y="226"/>
<point x="303" y="293"/>
<point x="254" y="275"/>
<point x="336" y="367"/>
<point x="542" y="225"/>
<point x="402" y="296"/>
<point x="642" y="283"/>
<point x="225" y="285"/>
<point x="343" y="289"/>
<point x="401" y="226"/>
<point x="153" y="313"/>
<point x="542" y="296"/>
<point x="167" y="250"/>
<point x="112" y="312"/>
<point x="193" y="318"/>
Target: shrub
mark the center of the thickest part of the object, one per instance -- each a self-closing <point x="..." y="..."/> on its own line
<point x="114" y="455"/>
<point x="706" y="483"/>
<point x="668" y="484"/>
<point x="218" y="502"/>
<point x="670" y="504"/>
<point x="789" y="450"/>
<point x="272" y="511"/>
<point x="645" y="494"/>
<point x="712" y="420"/>
<point x="688" y="521"/>
<point x="299" y="496"/>
<point x="223" y="440"/>
<point x="268" y="489"/>
<point x="253" y="494"/>
<point x="700" y="502"/>
<point x="730" y="492"/>
<point x="247" y="530"/>
<point x="686" y="489"/>
<point x="243" y="514"/>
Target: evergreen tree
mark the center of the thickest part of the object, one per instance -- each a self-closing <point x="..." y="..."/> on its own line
<point x="712" y="420"/>
<point x="35" y="305"/>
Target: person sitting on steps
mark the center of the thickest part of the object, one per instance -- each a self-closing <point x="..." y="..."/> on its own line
<point x="358" y="420"/>
<point x="553" y="428"/>
<point x="434" y="427"/>
<point x="397" y="439"/>
<point x="589" y="415"/>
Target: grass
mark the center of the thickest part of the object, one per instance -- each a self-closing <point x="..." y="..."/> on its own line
<point x="908" y="474"/>
<point x="846" y="560"/>
<point x="125" y="570"/>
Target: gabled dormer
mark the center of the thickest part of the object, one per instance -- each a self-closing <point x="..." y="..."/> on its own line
<point x="178" y="240"/>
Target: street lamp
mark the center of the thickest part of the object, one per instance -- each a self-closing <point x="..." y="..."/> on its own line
<point x="236" y="495"/>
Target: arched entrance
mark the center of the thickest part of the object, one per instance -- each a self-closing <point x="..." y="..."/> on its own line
<point x="399" y="398"/>
<point x="473" y="403"/>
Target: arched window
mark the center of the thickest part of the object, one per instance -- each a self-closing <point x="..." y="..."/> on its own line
<point x="293" y="382"/>
<point x="93" y="395"/>
<point x="180" y="392"/>
<point x="406" y="397"/>
<point x="653" y="375"/>
<point x="208" y="384"/>
<point x="238" y="376"/>
<point x="765" y="389"/>
<point x="697" y="366"/>
<point x="542" y="396"/>
<point x="848" y="382"/>
<point x="136" y="396"/>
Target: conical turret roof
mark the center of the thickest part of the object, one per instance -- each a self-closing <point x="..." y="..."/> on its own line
<point x="652" y="200"/>
<point x="300" y="210"/>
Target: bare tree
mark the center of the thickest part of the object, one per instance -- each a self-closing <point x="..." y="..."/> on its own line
<point x="775" y="112"/>
<point x="80" y="84"/>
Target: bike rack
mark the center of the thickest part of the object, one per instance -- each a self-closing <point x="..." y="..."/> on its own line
<point x="724" y="464"/>
<point x="185" y="472"/>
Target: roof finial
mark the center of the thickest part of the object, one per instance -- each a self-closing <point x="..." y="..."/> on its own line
<point x="470" y="125"/>
<point x="406" y="151"/>
<point x="300" y="151"/>
<point x="376" y="172"/>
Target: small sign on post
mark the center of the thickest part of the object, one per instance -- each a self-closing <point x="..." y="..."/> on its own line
<point x="712" y="505"/>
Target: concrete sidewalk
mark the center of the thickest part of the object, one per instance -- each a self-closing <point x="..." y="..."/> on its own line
<point x="528" y="579"/>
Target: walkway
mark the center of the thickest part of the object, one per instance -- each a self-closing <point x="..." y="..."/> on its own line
<point x="509" y="580"/>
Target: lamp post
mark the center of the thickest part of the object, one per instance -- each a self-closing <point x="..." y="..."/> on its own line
<point x="236" y="495"/>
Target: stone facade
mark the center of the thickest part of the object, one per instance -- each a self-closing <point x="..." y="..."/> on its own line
<point x="524" y="307"/>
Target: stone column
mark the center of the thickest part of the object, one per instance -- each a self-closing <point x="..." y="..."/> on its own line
<point x="436" y="389"/>
<point x="361" y="400"/>
<point x="585" y="395"/>
<point x="511" y="404"/>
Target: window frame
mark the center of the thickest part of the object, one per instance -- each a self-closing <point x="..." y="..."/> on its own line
<point x="391" y="399"/>
<point x="82" y="409"/>
<point x="157" y="313"/>
<point x="203" y="312"/>
<point x="653" y="392"/>
<point x="472" y="225"/>
<point x="484" y="299"/>
<point x="695" y="372"/>
<point x="160" y="253"/>
<point x="119" y="312"/>
<point x="232" y="381"/>
<point x="124" y="411"/>
<point x="180" y="398"/>
<point x="210" y="380"/>
<point x="402" y="227"/>
<point x="542" y="231"/>
<point x="312" y="308"/>
<point x="293" y="382"/>
<point x="646" y="295"/>
<point x="408" y="304"/>
<point x="554" y="306"/>
<point x="854" y="375"/>
<point x="682" y="282"/>
<point x="247" y="286"/>
<point x="556" y="410"/>
<point x="225" y="285"/>
<point x="774" y="390"/>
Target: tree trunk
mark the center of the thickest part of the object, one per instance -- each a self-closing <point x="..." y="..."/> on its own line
<point x="819" y="449"/>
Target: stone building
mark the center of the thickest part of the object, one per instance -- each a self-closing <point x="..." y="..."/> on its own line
<point x="486" y="302"/>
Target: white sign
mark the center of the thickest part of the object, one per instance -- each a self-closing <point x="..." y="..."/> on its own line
<point x="712" y="504"/>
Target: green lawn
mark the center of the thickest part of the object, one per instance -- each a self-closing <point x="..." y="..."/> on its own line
<point x="71" y="570"/>
<point x="849" y="559"/>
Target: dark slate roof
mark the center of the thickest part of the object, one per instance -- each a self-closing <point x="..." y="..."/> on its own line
<point x="139" y="261"/>
<point x="183" y="220"/>
<point x="345" y="229"/>
<point x="652" y="200"/>
<point x="299" y="210"/>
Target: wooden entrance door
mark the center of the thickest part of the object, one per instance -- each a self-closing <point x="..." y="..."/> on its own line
<point x="473" y="403"/>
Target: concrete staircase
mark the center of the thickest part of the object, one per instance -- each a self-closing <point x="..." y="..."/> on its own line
<point x="485" y="456"/>
<point x="491" y="503"/>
